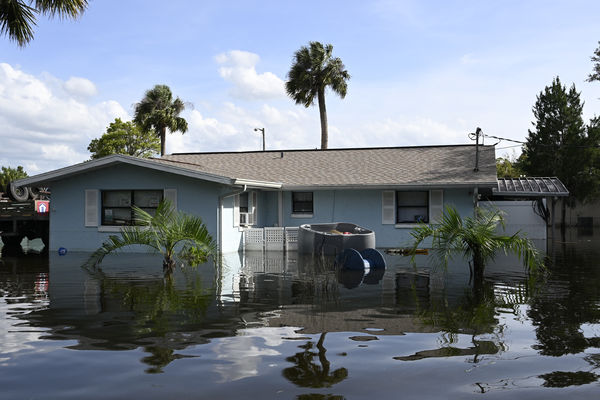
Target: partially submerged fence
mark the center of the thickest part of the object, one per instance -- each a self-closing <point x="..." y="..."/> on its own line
<point x="271" y="239"/>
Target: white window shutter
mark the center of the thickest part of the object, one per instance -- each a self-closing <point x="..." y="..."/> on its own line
<point x="388" y="207"/>
<point x="254" y="200"/>
<point x="171" y="195"/>
<point x="236" y="210"/>
<point x="91" y="207"/>
<point x="436" y="205"/>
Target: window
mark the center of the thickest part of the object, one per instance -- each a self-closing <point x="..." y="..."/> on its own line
<point x="302" y="202"/>
<point x="412" y="207"/>
<point x="245" y="209"/>
<point x="116" y="205"/>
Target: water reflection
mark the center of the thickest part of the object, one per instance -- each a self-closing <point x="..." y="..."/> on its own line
<point x="308" y="373"/>
<point x="258" y="313"/>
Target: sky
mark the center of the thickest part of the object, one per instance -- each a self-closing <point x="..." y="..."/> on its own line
<point x="422" y="73"/>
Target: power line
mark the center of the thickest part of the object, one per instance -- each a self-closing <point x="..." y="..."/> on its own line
<point x="520" y="142"/>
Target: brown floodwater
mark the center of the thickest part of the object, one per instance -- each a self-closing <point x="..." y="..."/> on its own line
<point x="277" y="325"/>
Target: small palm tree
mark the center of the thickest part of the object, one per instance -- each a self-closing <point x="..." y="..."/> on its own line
<point x="476" y="238"/>
<point x="158" y="112"/>
<point x="313" y="70"/>
<point x="17" y="18"/>
<point x="165" y="232"/>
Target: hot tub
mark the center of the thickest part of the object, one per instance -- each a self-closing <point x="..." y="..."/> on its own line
<point x="331" y="239"/>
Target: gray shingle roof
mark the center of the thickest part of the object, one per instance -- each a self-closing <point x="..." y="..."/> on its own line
<point x="393" y="166"/>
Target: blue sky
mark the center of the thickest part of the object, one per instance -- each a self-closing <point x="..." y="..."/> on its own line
<point x="423" y="73"/>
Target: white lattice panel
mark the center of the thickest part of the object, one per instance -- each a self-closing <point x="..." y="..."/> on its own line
<point x="254" y="239"/>
<point x="291" y="238"/>
<point x="274" y="238"/>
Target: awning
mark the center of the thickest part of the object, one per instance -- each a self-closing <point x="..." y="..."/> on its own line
<point x="530" y="187"/>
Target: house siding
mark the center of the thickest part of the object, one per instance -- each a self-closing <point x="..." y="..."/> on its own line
<point x="67" y="225"/>
<point x="363" y="207"/>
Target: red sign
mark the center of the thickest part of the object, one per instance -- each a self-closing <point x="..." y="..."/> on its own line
<point x="42" y="206"/>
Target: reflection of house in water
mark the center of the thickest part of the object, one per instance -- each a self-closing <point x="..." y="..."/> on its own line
<point x="128" y="304"/>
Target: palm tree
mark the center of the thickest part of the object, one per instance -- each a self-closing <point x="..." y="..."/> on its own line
<point x="17" y="18"/>
<point x="158" y="112"/>
<point x="476" y="238"/>
<point x="313" y="70"/>
<point x="165" y="231"/>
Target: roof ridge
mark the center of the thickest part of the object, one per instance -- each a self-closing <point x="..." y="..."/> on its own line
<point x="325" y="150"/>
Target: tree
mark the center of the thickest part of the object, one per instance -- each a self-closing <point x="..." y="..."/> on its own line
<point x="508" y="167"/>
<point x="158" y="112"/>
<point x="9" y="174"/>
<point x="595" y="75"/>
<point x="476" y="238"/>
<point x="124" y="138"/>
<point x="17" y="18"/>
<point x="313" y="70"/>
<point x="165" y="232"/>
<point x="562" y="144"/>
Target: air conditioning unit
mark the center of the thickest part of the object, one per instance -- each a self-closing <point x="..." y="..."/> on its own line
<point x="246" y="218"/>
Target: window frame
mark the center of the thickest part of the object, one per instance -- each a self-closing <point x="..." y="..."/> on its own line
<point x="397" y="207"/>
<point x="132" y="192"/>
<point x="303" y="212"/>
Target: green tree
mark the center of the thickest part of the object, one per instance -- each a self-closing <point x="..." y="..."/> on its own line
<point x="18" y="17"/>
<point x="158" y="112"/>
<point x="125" y="138"/>
<point x="562" y="144"/>
<point x="595" y="75"/>
<point x="9" y="174"/>
<point x="165" y="232"/>
<point x="313" y="70"/>
<point x="476" y="238"/>
<point x="508" y="167"/>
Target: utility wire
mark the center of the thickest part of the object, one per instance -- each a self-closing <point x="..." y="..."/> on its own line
<point x="520" y="142"/>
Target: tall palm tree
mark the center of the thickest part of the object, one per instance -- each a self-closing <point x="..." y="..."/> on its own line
<point x="158" y="112"/>
<point x="17" y="18"/>
<point x="313" y="70"/>
<point x="165" y="232"/>
<point x="476" y="238"/>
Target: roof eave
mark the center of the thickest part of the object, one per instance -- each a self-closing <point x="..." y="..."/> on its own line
<point x="86" y="166"/>
<point x="409" y="186"/>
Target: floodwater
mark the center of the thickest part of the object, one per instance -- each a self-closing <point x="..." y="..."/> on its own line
<point x="279" y="326"/>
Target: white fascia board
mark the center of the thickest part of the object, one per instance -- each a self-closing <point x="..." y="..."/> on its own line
<point x="391" y="187"/>
<point x="257" y="184"/>
<point x="116" y="159"/>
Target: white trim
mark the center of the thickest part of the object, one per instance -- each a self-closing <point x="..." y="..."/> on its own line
<point x="110" y="228"/>
<point x="398" y="186"/>
<point x="388" y="207"/>
<point x="259" y="184"/>
<point x="436" y="210"/>
<point x="302" y="215"/>
<point x="91" y="208"/>
<point x="406" y="226"/>
<point x="117" y="159"/>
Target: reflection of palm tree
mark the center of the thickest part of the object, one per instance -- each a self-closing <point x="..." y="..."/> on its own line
<point x="307" y="373"/>
<point x="160" y="357"/>
<point x="157" y="310"/>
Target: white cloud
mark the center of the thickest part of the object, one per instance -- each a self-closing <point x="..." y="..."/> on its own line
<point x="45" y="124"/>
<point x="80" y="87"/>
<point x="239" y="68"/>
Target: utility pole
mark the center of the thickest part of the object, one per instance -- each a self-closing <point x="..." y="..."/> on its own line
<point x="263" y="135"/>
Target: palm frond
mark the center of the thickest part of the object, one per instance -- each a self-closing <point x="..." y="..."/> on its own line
<point x="164" y="232"/>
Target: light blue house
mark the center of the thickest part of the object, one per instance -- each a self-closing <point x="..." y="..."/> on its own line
<point x="387" y="190"/>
